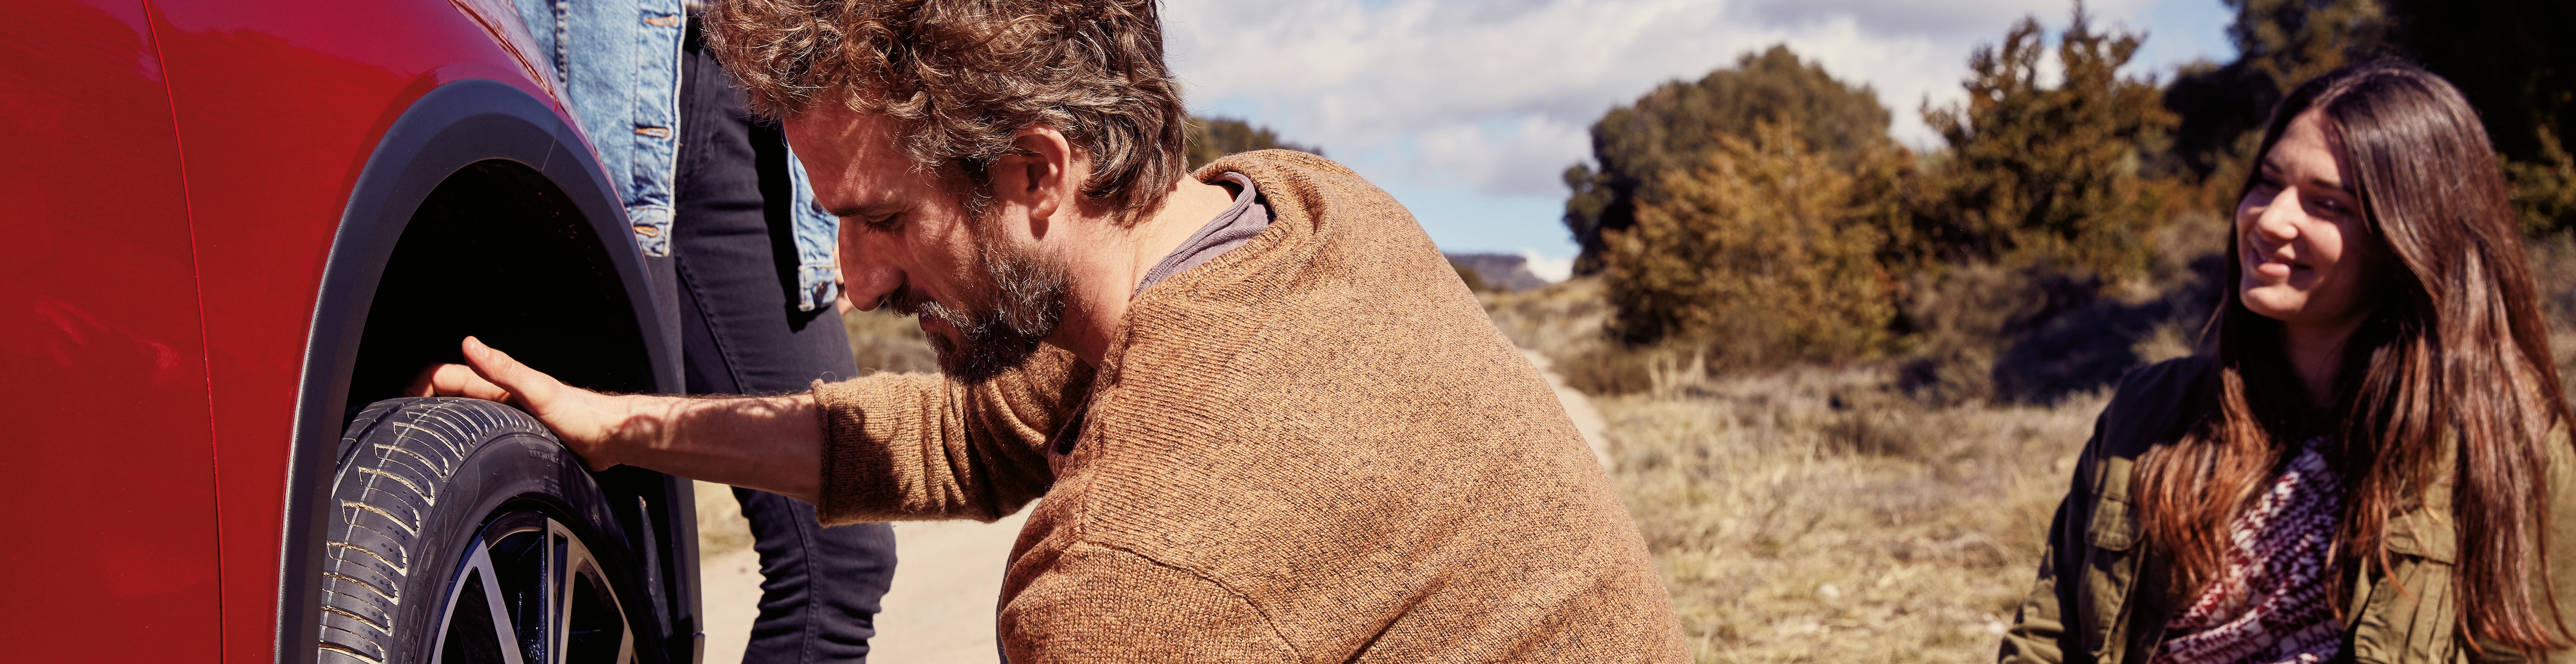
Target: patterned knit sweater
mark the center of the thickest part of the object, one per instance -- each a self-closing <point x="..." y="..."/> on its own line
<point x="2269" y="605"/>
<point x="1314" y="448"/>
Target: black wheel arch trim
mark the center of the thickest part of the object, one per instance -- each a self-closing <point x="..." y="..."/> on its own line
<point x="451" y="127"/>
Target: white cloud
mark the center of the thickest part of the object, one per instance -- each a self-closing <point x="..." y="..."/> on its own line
<point x="1551" y="269"/>
<point x="1497" y="96"/>
<point x="1494" y="156"/>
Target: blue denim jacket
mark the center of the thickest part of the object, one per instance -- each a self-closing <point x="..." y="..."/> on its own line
<point x="619" y="62"/>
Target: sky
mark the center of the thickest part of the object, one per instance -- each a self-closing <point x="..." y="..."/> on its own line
<point x="1469" y="111"/>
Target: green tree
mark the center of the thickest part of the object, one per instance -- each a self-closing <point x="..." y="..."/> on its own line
<point x="1763" y="251"/>
<point x="2041" y="175"/>
<point x="2280" y="44"/>
<point x="2291" y="41"/>
<point x="1675" y="127"/>
<point x="2513" y="62"/>
<point x="1207" y="139"/>
<point x="2508" y="57"/>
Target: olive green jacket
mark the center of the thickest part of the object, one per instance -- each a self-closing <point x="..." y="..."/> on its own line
<point x="2097" y="599"/>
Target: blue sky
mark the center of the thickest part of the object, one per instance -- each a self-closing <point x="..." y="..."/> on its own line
<point x="1469" y="111"/>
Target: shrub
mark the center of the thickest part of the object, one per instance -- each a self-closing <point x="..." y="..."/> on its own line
<point x="1676" y="126"/>
<point x="1206" y="139"/>
<point x="2048" y="175"/>
<point x="1760" y="254"/>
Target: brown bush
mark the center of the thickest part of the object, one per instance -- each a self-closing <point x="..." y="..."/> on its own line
<point x="1675" y="127"/>
<point x="1762" y="254"/>
<point x="2048" y="175"/>
<point x="883" y="341"/>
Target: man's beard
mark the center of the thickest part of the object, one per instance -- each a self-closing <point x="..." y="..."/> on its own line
<point x="1003" y="319"/>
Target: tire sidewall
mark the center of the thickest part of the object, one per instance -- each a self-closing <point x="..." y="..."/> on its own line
<point x="516" y="466"/>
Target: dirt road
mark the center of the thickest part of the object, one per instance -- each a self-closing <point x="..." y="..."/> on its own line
<point x="947" y="573"/>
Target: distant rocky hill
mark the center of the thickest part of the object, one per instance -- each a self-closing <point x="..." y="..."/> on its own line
<point x="1502" y="272"/>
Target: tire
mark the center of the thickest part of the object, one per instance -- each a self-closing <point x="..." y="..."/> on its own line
<point x="463" y="532"/>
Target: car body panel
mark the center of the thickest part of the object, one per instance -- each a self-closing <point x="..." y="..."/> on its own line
<point x="183" y="173"/>
<point x="280" y="105"/>
<point x="454" y="126"/>
<point x="201" y="190"/>
<point x="111" y="469"/>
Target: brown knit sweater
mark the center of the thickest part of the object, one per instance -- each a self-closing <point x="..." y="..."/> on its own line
<point x="1314" y="448"/>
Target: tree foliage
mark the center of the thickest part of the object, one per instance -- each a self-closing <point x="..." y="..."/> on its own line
<point x="2288" y="42"/>
<point x="1726" y="226"/>
<point x="1206" y="139"/>
<point x="1761" y="214"/>
<point x="2280" y="44"/>
<point x="2514" y="63"/>
<point x="1763" y="251"/>
<point x="1675" y="127"/>
<point x="2508" y="57"/>
<point x="2038" y="174"/>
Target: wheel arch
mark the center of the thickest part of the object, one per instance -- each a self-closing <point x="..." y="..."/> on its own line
<point x="443" y="136"/>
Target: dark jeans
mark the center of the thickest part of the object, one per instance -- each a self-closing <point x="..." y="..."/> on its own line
<point x="741" y="334"/>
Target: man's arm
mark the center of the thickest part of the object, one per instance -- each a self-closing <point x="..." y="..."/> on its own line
<point x="914" y="446"/>
<point x="773" y="444"/>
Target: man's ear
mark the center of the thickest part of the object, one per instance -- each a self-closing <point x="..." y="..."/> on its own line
<point x="1037" y="179"/>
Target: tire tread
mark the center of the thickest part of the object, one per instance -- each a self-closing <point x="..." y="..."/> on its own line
<point x="381" y="497"/>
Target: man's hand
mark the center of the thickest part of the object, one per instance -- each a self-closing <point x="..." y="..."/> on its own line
<point x="586" y="421"/>
<point x="774" y="444"/>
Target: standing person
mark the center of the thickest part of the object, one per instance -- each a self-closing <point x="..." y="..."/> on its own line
<point x="742" y="259"/>
<point x="2374" y="466"/>
<point x="748" y="328"/>
<point x="1268" y="420"/>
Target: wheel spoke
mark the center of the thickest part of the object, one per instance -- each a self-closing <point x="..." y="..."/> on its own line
<point x="500" y="614"/>
<point x="477" y="628"/>
<point x="595" y="629"/>
<point x="531" y="592"/>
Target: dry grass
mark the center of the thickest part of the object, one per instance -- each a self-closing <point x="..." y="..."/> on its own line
<point x="1563" y="321"/>
<point x="1815" y="514"/>
<point x="1789" y="529"/>
<point x="883" y="341"/>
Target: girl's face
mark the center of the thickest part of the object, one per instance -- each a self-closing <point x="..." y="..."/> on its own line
<point x="2300" y="235"/>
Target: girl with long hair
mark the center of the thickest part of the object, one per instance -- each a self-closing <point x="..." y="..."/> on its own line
<point x="2373" y="465"/>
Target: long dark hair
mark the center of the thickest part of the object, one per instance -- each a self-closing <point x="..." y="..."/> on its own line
<point x="2451" y="370"/>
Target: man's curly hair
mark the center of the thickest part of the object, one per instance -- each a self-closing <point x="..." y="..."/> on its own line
<point x="963" y="76"/>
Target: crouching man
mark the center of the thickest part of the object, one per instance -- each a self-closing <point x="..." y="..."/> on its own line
<point x="1268" y="421"/>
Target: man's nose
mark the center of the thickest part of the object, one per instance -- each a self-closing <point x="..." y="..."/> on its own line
<point x="866" y="275"/>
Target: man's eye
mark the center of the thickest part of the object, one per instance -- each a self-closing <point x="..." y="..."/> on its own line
<point x="888" y="223"/>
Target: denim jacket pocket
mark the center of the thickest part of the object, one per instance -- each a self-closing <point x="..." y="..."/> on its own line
<point x="818" y="273"/>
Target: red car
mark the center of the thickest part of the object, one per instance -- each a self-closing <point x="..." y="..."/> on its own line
<point x="234" y="230"/>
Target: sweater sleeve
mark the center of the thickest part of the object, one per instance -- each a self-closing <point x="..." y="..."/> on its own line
<point x="924" y="446"/>
<point x="1105" y="605"/>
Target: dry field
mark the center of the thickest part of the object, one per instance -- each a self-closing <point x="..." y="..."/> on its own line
<point x="1790" y="529"/>
<point x="1807" y="514"/>
<point x="1812" y="515"/>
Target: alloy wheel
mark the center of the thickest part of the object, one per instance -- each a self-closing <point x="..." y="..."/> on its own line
<point x="530" y="592"/>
